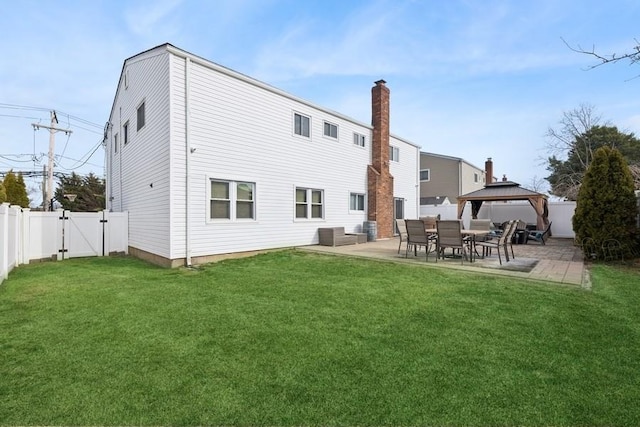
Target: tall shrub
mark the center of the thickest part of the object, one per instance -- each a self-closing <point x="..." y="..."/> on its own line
<point x="606" y="203"/>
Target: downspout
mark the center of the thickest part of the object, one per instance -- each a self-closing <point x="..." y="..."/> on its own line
<point x="187" y="139"/>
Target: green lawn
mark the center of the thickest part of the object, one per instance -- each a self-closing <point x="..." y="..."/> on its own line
<point x="292" y="338"/>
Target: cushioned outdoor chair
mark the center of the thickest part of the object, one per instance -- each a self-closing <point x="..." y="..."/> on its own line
<point x="540" y="236"/>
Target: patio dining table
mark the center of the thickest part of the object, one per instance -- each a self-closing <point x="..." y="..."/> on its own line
<point x="470" y="233"/>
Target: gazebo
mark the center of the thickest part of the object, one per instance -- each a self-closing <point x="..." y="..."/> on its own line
<point x="503" y="191"/>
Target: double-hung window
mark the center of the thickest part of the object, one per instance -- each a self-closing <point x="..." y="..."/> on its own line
<point x="356" y="202"/>
<point x="232" y="200"/>
<point x="330" y="130"/>
<point x="301" y="125"/>
<point x="394" y="154"/>
<point x="359" y="139"/>
<point x="309" y="203"/>
<point x="425" y="174"/>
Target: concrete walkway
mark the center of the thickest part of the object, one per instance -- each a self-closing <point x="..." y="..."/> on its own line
<point x="559" y="261"/>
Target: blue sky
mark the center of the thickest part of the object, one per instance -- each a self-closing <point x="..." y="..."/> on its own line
<point x="470" y="79"/>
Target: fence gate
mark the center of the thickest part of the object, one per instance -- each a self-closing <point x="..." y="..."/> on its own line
<point x="82" y="234"/>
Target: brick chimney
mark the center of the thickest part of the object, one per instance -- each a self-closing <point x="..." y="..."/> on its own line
<point x="488" y="171"/>
<point x="379" y="179"/>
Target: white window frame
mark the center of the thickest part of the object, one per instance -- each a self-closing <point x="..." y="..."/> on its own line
<point x="476" y="177"/>
<point x="302" y="116"/>
<point x="359" y="140"/>
<point x="356" y="197"/>
<point x="142" y="107"/>
<point x="233" y="200"/>
<point x="308" y="203"/>
<point x="394" y="153"/>
<point x="330" y="127"/>
<point x="115" y="142"/>
<point x="428" y="171"/>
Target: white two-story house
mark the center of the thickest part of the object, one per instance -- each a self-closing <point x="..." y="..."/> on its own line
<point x="208" y="161"/>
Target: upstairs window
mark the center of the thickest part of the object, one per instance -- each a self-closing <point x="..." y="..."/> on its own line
<point x="394" y="154"/>
<point x="359" y="140"/>
<point x="476" y="178"/>
<point x="425" y="175"/>
<point x="140" y="117"/>
<point x="330" y="130"/>
<point x="115" y="143"/>
<point x="125" y="133"/>
<point x="301" y="125"/>
<point x="309" y="203"/>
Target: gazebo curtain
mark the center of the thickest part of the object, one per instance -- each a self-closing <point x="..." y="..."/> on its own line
<point x="475" y="208"/>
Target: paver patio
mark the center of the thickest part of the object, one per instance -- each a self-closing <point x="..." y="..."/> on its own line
<point x="559" y="261"/>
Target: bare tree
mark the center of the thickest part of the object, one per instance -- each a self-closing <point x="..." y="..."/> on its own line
<point x="573" y="125"/>
<point x="537" y="184"/>
<point x="632" y="56"/>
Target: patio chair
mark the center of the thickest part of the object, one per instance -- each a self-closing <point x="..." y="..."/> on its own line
<point x="510" y="233"/>
<point x="402" y="232"/>
<point x="501" y="242"/>
<point x="484" y="225"/>
<point x="450" y="236"/>
<point x="429" y="221"/>
<point x="418" y="237"/>
<point x="540" y="236"/>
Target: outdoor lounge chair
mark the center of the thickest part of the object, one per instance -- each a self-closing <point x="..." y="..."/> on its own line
<point x="540" y="236"/>
<point x="418" y="237"/>
<point x="450" y="236"/>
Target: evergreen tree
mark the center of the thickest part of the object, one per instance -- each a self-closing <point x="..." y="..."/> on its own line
<point x="16" y="189"/>
<point x="22" y="195"/>
<point x="81" y="194"/>
<point x="3" y="193"/>
<point x="606" y="203"/>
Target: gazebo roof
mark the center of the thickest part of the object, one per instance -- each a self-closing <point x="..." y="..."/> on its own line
<point x="506" y="190"/>
<point x="502" y="190"/>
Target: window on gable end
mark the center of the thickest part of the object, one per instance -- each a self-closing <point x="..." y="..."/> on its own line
<point x="125" y="133"/>
<point x="140" y="116"/>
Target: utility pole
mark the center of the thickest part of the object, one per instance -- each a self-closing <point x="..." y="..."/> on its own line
<point x="48" y="205"/>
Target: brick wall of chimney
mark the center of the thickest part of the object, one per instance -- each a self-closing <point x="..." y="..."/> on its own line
<point x="488" y="171"/>
<point x="379" y="179"/>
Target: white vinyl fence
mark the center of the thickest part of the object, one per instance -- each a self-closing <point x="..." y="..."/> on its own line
<point x="27" y="236"/>
<point x="560" y="213"/>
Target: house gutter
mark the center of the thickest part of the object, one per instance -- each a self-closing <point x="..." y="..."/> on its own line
<point x="189" y="151"/>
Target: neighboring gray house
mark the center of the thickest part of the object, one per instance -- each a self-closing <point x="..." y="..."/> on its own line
<point x="208" y="161"/>
<point x="447" y="177"/>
